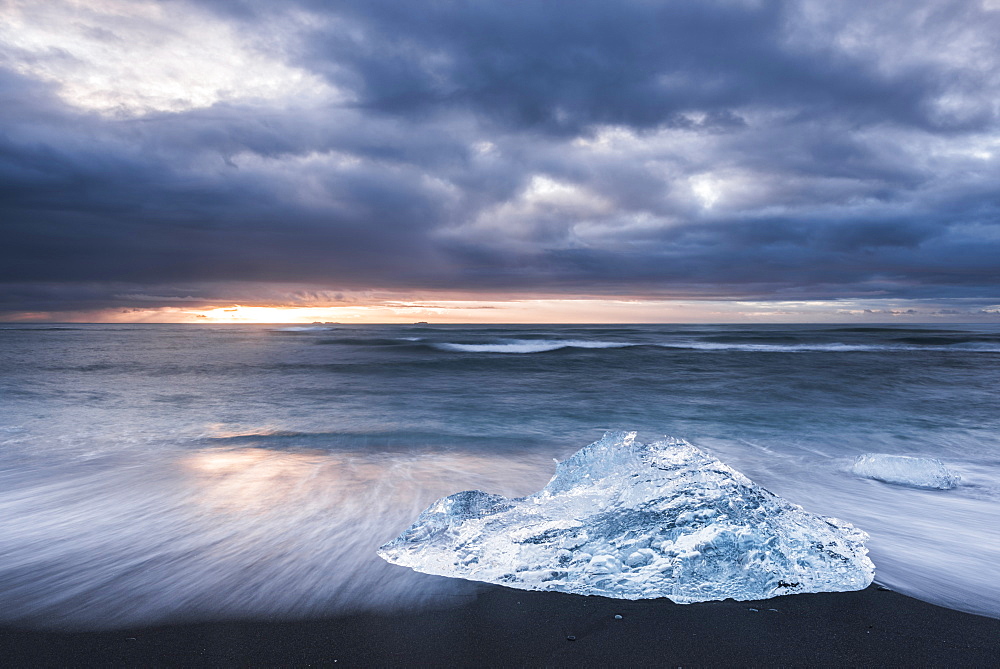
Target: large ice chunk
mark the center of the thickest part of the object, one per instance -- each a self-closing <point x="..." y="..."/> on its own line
<point x="634" y="521"/>
<point x="906" y="470"/>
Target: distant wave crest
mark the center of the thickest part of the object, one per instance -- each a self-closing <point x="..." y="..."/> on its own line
<point x="545" y="345"/>
<point x="529" y="345"/>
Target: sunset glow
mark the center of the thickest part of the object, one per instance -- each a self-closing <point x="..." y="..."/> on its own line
<point x="551" y="310"/>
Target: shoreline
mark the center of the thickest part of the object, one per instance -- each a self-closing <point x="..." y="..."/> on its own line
<point x="506" y="627"/>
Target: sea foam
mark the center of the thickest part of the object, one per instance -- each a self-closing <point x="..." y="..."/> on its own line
<point x="529" y="346"/>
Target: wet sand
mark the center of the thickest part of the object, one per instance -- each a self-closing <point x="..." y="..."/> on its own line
<point x="504" y="627"/>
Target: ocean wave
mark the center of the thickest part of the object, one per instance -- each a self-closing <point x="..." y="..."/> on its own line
<point x="546" y="345"/>
<point x="529" y="345"/>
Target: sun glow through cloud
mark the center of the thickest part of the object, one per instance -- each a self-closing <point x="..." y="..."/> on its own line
<point x="139" y="57"/>
<point x="549" y="310"/>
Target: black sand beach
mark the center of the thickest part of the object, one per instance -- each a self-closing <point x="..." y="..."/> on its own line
<point x="504" y="627"/>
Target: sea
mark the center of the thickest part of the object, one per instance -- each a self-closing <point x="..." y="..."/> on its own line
<point x="173" y="473"/>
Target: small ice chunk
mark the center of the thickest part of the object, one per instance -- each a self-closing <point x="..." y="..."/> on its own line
<point x="635" y="521"/>
<point x="906" y="470"/>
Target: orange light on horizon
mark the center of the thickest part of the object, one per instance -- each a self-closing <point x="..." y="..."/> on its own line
<point x="374" y="313"/>
<point x="249" y="314"/>
<point x="494" y="310"/>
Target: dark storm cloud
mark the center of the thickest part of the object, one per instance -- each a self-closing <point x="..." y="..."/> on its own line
<point x="126" y="204"/>
<point x="728" y="149"/>
<point x="562" y="66"/>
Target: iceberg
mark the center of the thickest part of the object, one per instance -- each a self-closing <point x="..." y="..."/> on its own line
<point x="906" y="470"/>
<point x="630" y="520"/>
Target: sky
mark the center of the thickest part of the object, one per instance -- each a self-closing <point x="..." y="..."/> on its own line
<point x="496" y="161"/>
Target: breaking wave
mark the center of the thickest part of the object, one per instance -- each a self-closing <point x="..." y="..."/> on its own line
<point x="543" y="346"/>
<point x="529" y="346"/>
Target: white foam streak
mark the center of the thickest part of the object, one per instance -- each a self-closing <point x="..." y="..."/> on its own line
<point x="530" y="346"/>
<point x="222" y="533"/>
<point x="940" y="546"/>
<point x="545" y="345"/>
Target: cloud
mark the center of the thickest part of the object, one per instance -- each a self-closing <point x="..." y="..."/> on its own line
<point x="728" y="150"/>
<point x="564" y="65"/>
<point x="141" y="57"/>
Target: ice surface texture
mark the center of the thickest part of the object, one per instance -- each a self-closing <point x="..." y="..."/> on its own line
<point x="635" y="521"/>
<point x="906" y="470"/>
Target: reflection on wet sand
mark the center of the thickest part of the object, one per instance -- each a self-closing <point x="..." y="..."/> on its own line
<point x="230" y="532"/>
